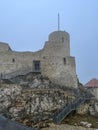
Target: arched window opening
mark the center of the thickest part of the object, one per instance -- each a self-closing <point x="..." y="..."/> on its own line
<point x="62" y="39"/>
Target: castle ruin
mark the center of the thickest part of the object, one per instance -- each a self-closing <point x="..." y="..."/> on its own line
<point x="53" y="61"/>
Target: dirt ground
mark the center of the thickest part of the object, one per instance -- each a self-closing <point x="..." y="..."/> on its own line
<point x="75" y="119"/>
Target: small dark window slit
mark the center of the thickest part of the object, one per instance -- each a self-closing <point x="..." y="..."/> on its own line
<point x="13" y="60"/>
<point x="64" y="61"/>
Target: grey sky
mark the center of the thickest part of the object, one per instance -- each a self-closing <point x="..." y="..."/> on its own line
<point x="26" y="24"/>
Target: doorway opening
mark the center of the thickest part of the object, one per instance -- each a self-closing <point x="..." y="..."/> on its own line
<point x="36" y="66"/>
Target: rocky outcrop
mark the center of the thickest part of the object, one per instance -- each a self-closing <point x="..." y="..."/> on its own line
<point x="32" y="100"/>
<point x="90" y="107"/>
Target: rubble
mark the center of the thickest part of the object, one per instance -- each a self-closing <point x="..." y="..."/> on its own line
<point x="86" y="124"/>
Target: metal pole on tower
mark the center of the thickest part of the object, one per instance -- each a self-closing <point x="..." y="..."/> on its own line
<point x="58" y="22"/>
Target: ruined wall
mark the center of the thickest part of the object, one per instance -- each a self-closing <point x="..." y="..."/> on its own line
<point x="4" y="47"/>
<point x="60" y="72"/>
<point x="11" y="61"/>
<point x="94" y="91"/>
<point x="55" y="59"/>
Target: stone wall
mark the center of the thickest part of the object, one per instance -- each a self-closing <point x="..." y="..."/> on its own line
<point x="55" y="59"/>
<point x="4" y="47"/>
<point x="31" y="105"/>
<point x="94" y="91"/>
<point x="58" y="44"/>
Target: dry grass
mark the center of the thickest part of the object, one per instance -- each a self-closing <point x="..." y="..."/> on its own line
<point x="75" y="119"/>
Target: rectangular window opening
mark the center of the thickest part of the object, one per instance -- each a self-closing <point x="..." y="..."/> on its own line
<point x="64" y="61"/>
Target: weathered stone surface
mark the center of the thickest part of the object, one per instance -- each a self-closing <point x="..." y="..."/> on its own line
<point x="32" y="102"/>
<point x="83" y="109"/>
<point x="88" y="108"/>
<point x="34" y="99"/>
<point x="86" y="124"/>
<point x="55" y="60"/>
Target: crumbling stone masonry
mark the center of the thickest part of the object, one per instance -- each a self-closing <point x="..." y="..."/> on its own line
<point x="53" y="61"/>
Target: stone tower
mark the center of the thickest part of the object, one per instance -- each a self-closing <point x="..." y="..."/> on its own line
<point x="59" y="64"/>
<point x="58" y="44"/>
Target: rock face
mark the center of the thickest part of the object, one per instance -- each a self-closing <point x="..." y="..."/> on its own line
<point x="83" y="109"/>
<point x="90" y="107"/>
<point x="32" y="100"/>
<point x="8" y="94"/>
